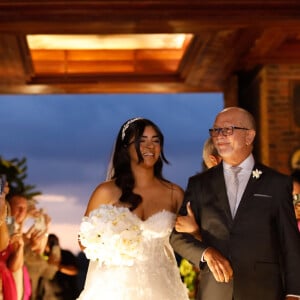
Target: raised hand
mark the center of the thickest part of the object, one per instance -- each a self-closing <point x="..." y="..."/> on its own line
<point x="17" y="240"/>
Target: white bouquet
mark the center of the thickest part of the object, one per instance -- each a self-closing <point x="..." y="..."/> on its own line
<point x="111" y="236"/>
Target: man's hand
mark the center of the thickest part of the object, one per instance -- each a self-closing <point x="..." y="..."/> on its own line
<point x="218" y="265"/>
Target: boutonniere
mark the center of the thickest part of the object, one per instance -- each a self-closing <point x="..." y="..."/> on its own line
<point x="256" y="173"/>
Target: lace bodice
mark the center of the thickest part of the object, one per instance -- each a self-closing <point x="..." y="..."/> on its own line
<point x="158" y="225"/>
<point x="150" y="272"/>
<point x="156" y="231"/>
<point x="114" y="235"/>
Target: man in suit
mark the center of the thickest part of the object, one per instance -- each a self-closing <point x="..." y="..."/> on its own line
<point x="250" y="247"/>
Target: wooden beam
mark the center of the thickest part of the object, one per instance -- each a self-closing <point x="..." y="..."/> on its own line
<point x="144" y="16"/>
<point x="101" y="88"/>
<point x="15" y="65"/>
<point x="274" y="46"/>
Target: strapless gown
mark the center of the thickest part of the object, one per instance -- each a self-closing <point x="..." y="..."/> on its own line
<point x="153" y="274"/>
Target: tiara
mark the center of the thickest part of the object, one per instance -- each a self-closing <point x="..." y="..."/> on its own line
<point x="127" y="124"/>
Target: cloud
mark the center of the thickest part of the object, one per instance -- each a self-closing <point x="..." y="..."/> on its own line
<point x="52" y="198"/>
<point x="66" y="210"/>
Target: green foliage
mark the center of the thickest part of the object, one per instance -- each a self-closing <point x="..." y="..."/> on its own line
<point x="187" y="271"/>
<point x="16" y="173"/>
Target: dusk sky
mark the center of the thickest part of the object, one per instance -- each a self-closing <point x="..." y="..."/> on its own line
<point x="68" y="139"/>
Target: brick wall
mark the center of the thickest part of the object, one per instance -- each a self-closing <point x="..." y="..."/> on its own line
<point x="273" y="96"/>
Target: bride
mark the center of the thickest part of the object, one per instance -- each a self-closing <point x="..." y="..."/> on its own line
<point x="128" y="220"/>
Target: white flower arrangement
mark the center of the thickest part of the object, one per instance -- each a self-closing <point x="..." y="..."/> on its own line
<point x="111" y="236"/>
<point x="256" y="173"/>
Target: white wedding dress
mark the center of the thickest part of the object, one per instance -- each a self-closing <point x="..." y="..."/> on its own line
<point x="154" y="274"/>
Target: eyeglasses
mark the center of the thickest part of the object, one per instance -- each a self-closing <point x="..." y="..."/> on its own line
<point x="214" y="132"/>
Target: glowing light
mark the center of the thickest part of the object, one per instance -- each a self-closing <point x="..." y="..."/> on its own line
<point x="103" y="42"/>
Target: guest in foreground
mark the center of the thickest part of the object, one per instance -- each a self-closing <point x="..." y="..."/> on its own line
<point x="128" y="221"/>
<point x="250" y="247"/>
<point x="11" y="250"/>
<point x="64" y="284"/>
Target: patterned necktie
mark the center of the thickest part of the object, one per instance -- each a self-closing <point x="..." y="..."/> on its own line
<point x="233" y="189"/>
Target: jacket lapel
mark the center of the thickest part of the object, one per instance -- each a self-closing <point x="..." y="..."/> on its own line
<point x="220" y="190"/>
<point x="250" y="188"/>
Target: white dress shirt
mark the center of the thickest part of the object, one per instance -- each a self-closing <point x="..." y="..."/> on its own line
<point x="243" y="176"/>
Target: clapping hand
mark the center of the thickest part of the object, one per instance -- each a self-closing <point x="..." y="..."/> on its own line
<point x="17" y="240"/>
<point x="37" y="239"/>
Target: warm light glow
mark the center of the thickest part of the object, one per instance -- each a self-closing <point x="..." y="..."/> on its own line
<point x="103" y="42"/>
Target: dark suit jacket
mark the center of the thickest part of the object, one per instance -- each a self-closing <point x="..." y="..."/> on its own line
<point x="262" y="242"/>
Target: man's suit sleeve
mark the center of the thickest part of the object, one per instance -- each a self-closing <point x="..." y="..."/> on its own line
<point x="185" y="244"/>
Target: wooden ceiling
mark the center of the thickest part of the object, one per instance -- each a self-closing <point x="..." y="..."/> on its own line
<point x="228" y="37"/>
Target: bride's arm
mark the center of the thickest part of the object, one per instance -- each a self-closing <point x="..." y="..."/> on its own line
<point x="188" y="224"/>
<point x="105" y="193"/>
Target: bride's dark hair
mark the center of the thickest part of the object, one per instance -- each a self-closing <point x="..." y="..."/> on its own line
<point x="120" y="164"/>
